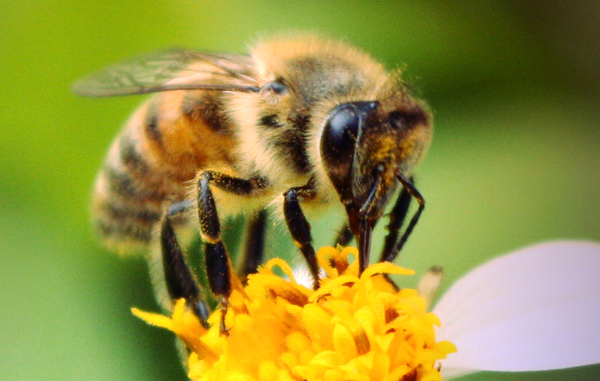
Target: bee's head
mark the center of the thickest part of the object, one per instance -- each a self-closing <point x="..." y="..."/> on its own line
<point x="365" y="146"/>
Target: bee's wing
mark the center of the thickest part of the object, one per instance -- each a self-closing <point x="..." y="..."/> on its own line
<point x="175" y="69"/>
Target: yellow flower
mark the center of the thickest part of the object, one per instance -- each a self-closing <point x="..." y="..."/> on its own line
<point x="350" y="328"/>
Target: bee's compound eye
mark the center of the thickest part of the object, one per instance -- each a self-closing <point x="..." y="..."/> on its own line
<point x="344" y="121"/>
<point x="276" y="87"/>
<point x="338" y="142"/>
<point x="342" y="127"/>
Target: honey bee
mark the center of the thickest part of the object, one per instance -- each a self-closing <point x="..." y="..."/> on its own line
<point x="302" y="122"/>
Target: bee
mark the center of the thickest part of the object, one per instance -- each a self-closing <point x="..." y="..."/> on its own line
<point x="302" y="122"/>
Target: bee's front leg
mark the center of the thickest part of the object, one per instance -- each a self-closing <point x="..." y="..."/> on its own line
<point x="397" y="218"/>
<point x="299" y="226"/>
<point x="218" y="265"/>
<point x="393" y="245"/>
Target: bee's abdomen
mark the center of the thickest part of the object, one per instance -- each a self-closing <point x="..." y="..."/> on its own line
<point x="132" y="189"/>
<point x="166" y="142"/>
<point x="128" y="197"/>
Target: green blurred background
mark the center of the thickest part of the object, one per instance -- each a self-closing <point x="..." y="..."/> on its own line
<point x="515" y="159"/>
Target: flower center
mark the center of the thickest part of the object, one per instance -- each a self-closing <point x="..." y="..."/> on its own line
<point x="350" y="328"/>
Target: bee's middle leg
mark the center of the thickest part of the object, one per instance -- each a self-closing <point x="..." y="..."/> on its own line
<point x="218" y="264"/>
<point x="300" y="228"/>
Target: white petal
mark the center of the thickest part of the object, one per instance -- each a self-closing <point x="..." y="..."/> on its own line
<point x="302" y="275"/>
<point x="536" y="309"/>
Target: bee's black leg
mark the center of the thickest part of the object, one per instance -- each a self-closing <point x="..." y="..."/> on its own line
<point x="397" y="217"/>
<point x="299" y="226"/>
<point x="218" y="267"/>
<point x="178" y="278"/>
<point x="392" y="245"/>
<point x="217" y="260"/>
<point x="254" y="244"/>
<point x="344" y="236"/>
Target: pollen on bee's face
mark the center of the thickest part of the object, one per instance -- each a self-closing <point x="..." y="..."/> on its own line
<point x="386" y="148"/>
<point x="280" y="329"/>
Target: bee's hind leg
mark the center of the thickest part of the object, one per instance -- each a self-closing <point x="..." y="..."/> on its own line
<point x="254" y="245"/>
<point x="179" y="279"/>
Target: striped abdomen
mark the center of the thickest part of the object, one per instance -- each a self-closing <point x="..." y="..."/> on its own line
<point x="150" y="164"/>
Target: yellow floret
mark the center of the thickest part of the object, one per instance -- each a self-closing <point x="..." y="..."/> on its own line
<point x="350" y="328"/>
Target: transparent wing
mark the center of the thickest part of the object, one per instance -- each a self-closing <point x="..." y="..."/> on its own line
<point x="175" y="69"/>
